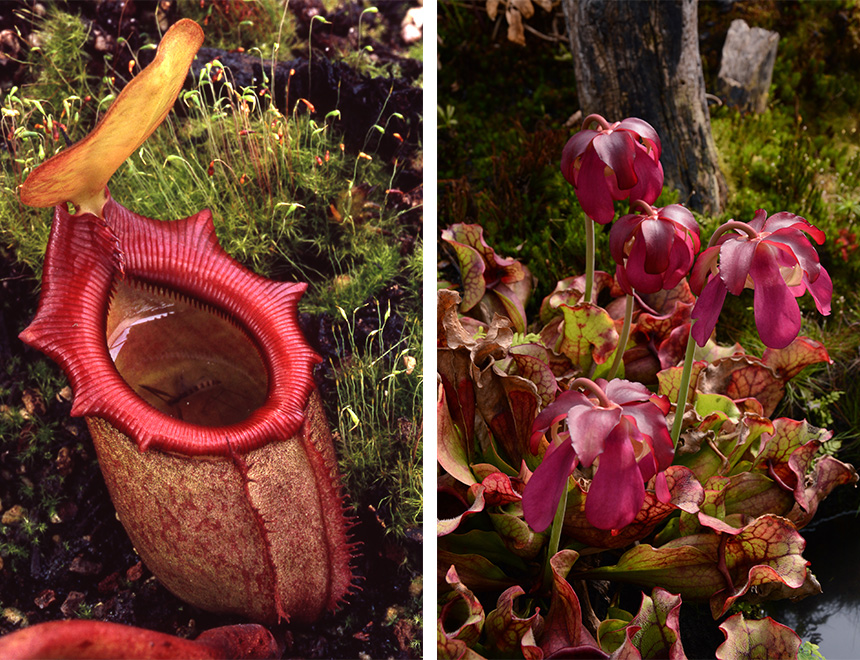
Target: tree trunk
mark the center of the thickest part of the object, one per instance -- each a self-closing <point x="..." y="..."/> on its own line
<point x="636" y="58"/>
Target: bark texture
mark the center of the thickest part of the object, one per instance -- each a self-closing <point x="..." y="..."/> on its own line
<point x="640" y="58"/>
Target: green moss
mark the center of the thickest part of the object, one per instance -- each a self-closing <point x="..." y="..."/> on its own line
<point x="257" y="26"/>
<point x="379" y="420"/>
<point x="61" y="62"/>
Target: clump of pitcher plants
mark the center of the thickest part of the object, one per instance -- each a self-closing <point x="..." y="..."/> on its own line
<point x="619" y="441"/>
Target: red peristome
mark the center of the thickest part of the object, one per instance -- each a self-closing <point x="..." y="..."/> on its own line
<point x="84" y="259"/>
<point x="95" y="640"/>
<point x="245" y="517"/>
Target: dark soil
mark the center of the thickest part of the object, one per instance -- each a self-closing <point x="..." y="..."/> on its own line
<point x="66" y="555"/>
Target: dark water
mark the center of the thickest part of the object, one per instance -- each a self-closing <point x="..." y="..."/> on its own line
<point x="183" y="358"/>
<point x="831" y="619"/>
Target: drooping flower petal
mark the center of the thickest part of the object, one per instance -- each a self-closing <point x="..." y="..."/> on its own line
<point x="621" y="232"/>
<point x="617" y="150"/>
<point x="680" y="215"/>
<point x="654" y="250"/>
<point x="777" y="316"/>
<point x="645" y="132"/>
<point x="589" y="427"/>
<point x="821" y="291"/>
<point x="775" y="258"/>
<point x="636" y="270"/>
<point x="573" y="150"/>
<point x="661" y="488"/>
<point x="736" y="256"/>
<point x="656" y="236"/>
<point x="592" y="189"/>
<point x="796" y="247"/>
<point x="603" y="428"/>
<point x="617" y="490"/>
<point x="651" y="421"/>
<point x="617" y="161"/>
<point x="760" y="217"/>
<point x="707" y="310"/>
<point x="553" y="413"/>
<point x="782" y="220"/>
<point x="704" y="266"/>
<point x="623" y="391"/>
<point x="544" y="490"/>
<point x="680" y="261"/>
<point x="649" y="175"/>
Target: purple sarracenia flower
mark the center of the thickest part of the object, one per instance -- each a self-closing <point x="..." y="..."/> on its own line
<point x="654" y="250"/>
<point x="622" y="427"/>
<point x="774" y="258"/>
<point x="614" y="162"/>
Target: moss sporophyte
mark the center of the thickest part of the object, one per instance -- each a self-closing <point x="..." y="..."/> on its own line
<point x="194" y="378"/>
<point x="622" y="442"/>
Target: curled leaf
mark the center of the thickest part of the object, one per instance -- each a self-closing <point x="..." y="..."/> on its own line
<point x="518" y="536"/>
<point x="473" y="381"/>
<point x="462" y="616"/>
<point x="756" y="639"/>
<point x="506" y="631"/>
<point x="777" y="448"/>
<point x="451" y="449"/>
<point x="719" y="567"/>
<point x="743" y="376"/>
<point x="563" y="627"/>
<point x="481" y="559"/>
<point x="449" y="525"/>
<point x="571" y="291"/>
<point x="826" y="474"/>
<point x="789" y="361"/>
<point x="790" y="456"/>
<point x="532" y="361"/>
<point x="659" y="633"/>
<point x="686" y="494"/>
<point x="588" y="333"/>
<point x="498" y="284"/>
<point x="742" y="498"/>
<point x="670" y="380"/>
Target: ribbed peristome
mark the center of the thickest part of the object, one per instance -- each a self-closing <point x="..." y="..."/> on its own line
<point x="86" y="255"/>
<point x="246" y="518"/>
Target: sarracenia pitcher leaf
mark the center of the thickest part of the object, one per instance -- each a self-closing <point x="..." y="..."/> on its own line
<point x="757" y="639"/>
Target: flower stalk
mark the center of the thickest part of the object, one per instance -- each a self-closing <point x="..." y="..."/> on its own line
<point x="554" y="537"/>
<point x="625" y="335"/>
<point x="589" y="259"/>
<point x="728" y="226"/>
<point x="683" y="390"/>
